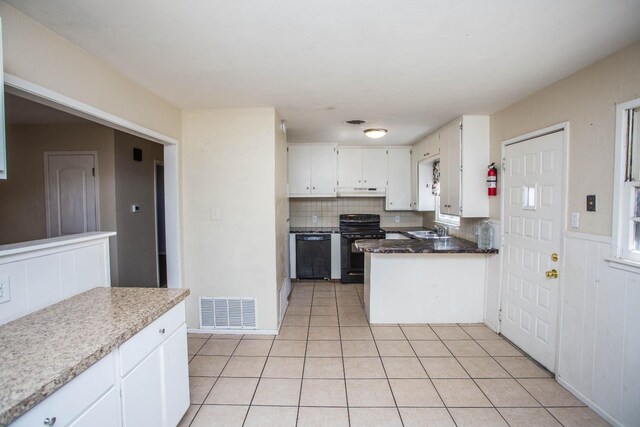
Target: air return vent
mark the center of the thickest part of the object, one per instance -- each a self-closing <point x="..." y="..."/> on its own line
<point x="227" y="313"/>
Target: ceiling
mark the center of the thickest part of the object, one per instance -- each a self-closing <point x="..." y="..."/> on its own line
<point x="405" y="65"/>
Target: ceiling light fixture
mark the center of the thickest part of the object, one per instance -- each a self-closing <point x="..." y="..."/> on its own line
<point x="375" y="133"/>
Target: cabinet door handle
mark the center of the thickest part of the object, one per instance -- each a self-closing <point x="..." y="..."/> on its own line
<point x="50" y="421"/>
<point x="307" y="188"/>
<point x="314" y="188"/>
<point x="161" y="330"/>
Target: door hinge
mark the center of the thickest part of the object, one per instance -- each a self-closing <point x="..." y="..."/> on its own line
<point x="504" y="164"/>
<point x="500" y="315"/>
<point x="93" y="171"/>
<point x="387" y="151"/>
<point x="460" y="126"/>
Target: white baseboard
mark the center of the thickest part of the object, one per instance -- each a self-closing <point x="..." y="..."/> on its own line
<point x="589" y="403"/>
<point x="233" y="331"/>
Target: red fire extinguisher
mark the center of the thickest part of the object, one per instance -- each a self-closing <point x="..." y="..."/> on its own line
<point x="492" y="180"/>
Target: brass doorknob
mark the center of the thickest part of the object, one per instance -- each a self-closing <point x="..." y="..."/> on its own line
<point x="552" y="274"/>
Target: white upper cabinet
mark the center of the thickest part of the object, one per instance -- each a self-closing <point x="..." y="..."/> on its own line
<point x="362" y="167"/>
<point x="414" y="177"/>
<point x="349" y="167"/>
<point x="421" y="149"/>
<point x="450" y="163"/>
<point x="312" y="170"/>
<point x="399" y="183"/>
<point x="464" y="156"/>
<point x="433" y="144"/>
<point x="374" y="167"/>
<point x="3" y="138"/>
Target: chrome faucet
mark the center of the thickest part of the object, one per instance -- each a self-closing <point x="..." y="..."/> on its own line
<point x="441" y="230"/>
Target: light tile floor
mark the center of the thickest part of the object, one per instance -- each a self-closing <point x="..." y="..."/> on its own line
<point x="328" y="367"/>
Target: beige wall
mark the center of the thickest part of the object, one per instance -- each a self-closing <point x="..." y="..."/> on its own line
<point x="137" y="256"/>
<point x="22" y="196"/>
<point x="281" y="206"/>
<point x="36" y="54"/>
<point x="228" y="162"/>
<point x="587" y="100"/>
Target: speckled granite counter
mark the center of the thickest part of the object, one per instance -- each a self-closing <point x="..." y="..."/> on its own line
<point x="319" y="230"/>
<point x="41" y="352"/>
<point x="452" y="245"/>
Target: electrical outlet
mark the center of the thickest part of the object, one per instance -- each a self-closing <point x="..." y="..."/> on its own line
<point x="314" y="219"/>
<point x="397" y="218"/>
<point x="215" y="214"/>
<point x="575" y="220"/>
<point x="5" y="290"/>
<point x="591" y="203"/>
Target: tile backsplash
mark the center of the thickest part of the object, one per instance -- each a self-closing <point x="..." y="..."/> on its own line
<point x="327" y="210"/>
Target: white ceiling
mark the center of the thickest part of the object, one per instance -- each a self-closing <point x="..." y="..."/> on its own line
<point x="406" y="65"/>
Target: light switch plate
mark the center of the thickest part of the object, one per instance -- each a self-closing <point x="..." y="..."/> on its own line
<point x="575" y="219"/>
<point x="5" y="290"/>
<point x="314" y="219"/>
<point x="397" y="218"/>
<point x="215" y="214"/>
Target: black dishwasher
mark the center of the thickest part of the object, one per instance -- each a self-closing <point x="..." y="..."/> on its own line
<point x="313" y="256"/>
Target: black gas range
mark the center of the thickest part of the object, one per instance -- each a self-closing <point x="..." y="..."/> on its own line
<point x="356" y="227"/>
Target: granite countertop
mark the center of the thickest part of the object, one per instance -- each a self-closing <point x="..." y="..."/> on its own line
<point x="399" y="229"/>
<point x="452" y="245"/>
<point x="44" y="350"/>
<point x="319" y="230"/>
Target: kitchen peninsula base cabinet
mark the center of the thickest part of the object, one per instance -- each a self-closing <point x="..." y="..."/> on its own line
<point x="424" y="288"/>
<point x="143" y="382"/>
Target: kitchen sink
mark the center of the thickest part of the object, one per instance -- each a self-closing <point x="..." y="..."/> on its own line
<point x="426" y="234"/>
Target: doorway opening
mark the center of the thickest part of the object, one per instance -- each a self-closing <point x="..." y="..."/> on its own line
<point x="161" y="241"/>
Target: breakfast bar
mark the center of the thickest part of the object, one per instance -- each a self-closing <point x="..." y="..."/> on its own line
<point x="424" y="280"/>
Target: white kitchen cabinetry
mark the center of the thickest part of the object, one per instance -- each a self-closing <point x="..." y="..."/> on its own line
<point x="421" y="149"/>
<point x="312" y="170"/>
<point x="433" y="144"/>
<point x="399" y="181"/>
<point x="162" y="374"/>
<point x="75" y="400"/>
<point x="362" y="167"/>
<point x="414" y="178"/>
<point x="450" y="169"/>
<point x="145" y="381"/>
<point x="464" y="156"/>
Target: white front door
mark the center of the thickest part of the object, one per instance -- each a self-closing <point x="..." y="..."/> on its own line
<point x="71" y="193"/>
<point x="532" y="206"/>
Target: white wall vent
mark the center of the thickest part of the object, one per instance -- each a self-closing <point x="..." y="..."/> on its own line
<point x="227" y="313"/>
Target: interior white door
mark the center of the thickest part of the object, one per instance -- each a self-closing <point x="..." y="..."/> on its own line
<point x="532" y="206"/>
<point x="71" y="194"/>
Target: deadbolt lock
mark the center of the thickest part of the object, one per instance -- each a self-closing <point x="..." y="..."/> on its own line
<point x="552" y="274"/>
<point x="554" y="257"/>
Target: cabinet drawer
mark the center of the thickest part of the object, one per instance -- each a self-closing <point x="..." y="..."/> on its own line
<point x="74" y="398"/>
<point x="104" y="413"/>
<point x="134" y="350"/>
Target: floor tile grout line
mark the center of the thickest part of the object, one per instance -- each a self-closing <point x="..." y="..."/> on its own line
<point x="259" y="380"/>
<point x="344" y="370"/>
<point x="429" y="376"/>
<point x="385" y="369"/>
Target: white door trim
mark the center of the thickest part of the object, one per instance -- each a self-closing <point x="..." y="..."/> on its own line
<point x="564" y="126"/>
<point x="157" y="163"/>
<point x="42" y="95"/>
<point x="47" y="203"/>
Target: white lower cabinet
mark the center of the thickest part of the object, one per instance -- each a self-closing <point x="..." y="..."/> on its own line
<point x="144" y="382"/>
<point x="101" y="413"/>
<point x="75" y="400"/>
<point x="142" y="393"/>
<point x="155" y="391"/>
